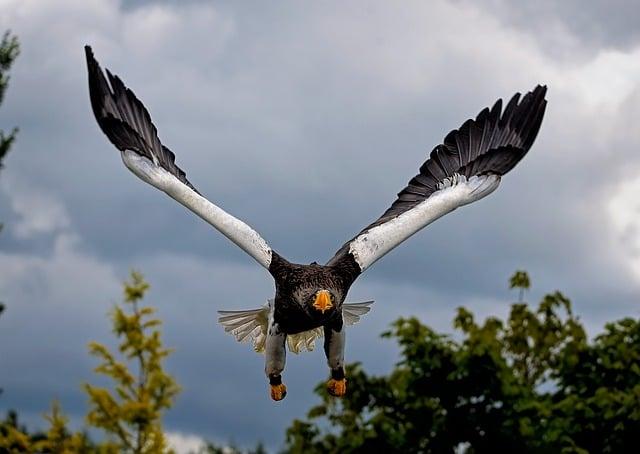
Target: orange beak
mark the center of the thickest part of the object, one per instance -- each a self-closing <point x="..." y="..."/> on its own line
<point x="323" y="301"/>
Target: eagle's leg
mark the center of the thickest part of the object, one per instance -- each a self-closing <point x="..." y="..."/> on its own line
<point x="275" y="356"/>
<point x="334" y="339"/>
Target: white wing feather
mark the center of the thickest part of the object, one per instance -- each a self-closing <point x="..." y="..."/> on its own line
<point x="454" y="192"/>
<point x="233" y="228"/>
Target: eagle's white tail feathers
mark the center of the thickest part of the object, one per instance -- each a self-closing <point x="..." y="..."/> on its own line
<point x="251" y="325"/>
<point x="248" y="325"/>
<point x="305" y="340"/>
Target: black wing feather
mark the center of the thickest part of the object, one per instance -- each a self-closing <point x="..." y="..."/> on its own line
<point x="492" y="143"/>
<point x="124" y="119"/>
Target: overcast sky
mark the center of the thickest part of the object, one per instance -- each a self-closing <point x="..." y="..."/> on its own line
<point x="304" y="119"/>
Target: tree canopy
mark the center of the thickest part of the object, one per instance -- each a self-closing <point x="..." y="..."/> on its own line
<point x="9" y="50"/>
<point x="531" y="383"/>
<point x="130" y="411"/>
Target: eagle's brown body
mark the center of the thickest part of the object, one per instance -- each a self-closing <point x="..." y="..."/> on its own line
<point x="296" y="286"/>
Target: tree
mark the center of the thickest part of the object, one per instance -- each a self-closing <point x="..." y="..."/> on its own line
<point x="532" y="383"/>
<point x="212" y="448"/>
<point x="9" y="50"/>
<point x="130" y="413"/>
<point x="597" y="406"/>
<point x="520" y="280"/>
<point x="14" y="437"/>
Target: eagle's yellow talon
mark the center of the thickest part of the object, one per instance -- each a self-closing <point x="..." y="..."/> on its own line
<point x="278" y="392"/>
<point x="337" y="388"/>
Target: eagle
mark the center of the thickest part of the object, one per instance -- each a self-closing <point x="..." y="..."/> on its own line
<point x="309" y="300"/>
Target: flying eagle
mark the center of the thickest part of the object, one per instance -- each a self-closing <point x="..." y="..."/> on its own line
<point x="309" y="299"/>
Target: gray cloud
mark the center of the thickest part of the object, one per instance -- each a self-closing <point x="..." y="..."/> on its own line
<point x="592" y="24"/>
<point x="304" y="121"/>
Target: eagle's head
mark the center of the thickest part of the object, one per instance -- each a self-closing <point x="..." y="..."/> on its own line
<point x="318" y="300"/>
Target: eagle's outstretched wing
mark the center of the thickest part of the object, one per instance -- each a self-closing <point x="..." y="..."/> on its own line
<point x="127" y="124"/>
<point x="465" y="168"/>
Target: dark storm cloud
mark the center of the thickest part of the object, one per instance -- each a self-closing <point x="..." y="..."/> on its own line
<point x="595" y="23"/>
<point x="304" y="121"/>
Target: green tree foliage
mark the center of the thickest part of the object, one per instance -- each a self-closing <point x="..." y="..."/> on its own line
<point x="9" y="50"/>
<point x="231" y="449"/>
<point x="131" y="412"/>
<point x="14" y="438"/>
<point x="520" y="280"/>
<point x="532" y="383"/>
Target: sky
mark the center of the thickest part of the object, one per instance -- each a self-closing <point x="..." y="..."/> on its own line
<point x="304" y="119"/>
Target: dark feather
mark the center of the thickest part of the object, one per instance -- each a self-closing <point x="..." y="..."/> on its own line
<point x="493" y="143"/>
<point x="124" y="119"/>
